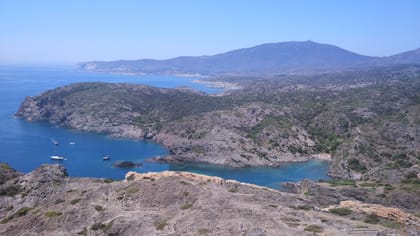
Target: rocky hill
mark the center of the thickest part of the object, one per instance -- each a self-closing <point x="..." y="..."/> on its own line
<point x="266" y="59"/>
<point x="195" y="127"/>
<point x="47" y="202"/>
<point x="406" y="57"/>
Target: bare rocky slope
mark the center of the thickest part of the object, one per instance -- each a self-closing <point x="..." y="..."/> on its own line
<point x="48" y="202"/>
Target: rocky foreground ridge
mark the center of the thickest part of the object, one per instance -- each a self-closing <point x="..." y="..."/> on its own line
<point x="48" y="202"/>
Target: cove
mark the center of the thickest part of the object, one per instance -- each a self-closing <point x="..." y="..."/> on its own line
<point x="263" y="176"/>
<point x="26" y="145"/>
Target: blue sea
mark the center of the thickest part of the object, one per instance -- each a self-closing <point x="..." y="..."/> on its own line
<point x="26" y="145"/>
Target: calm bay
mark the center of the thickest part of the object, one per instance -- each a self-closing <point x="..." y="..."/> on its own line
<point x="26" y="145"/>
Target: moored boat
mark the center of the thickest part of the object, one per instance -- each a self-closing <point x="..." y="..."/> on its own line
<point x="59" y="158"/>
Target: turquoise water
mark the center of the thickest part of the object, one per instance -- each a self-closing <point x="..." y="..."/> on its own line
<point x="264" y="176"/>
<point x="26" y="145"/>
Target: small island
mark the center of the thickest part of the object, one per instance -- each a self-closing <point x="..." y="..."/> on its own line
<point x="126" y="164"/>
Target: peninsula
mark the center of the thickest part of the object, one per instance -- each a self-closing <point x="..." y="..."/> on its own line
<point x="365" y="122"/>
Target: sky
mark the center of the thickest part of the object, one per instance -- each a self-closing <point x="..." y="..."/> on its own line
<point x="53" y="31"/>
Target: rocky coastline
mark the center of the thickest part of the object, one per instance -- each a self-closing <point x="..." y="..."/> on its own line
<point x="214" y="137"/>
<point x="349" y="118"/>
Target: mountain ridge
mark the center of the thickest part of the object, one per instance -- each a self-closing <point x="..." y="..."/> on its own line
<point x="292" y="57"/>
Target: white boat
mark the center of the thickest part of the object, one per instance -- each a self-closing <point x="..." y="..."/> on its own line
<point x="60" y="158"/>
<point x="105" y="158"/>
<point x="72" y="143"/>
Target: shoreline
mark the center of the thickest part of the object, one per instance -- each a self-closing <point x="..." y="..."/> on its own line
<point x="147" y="74"/>
<point x="162" y="159"/>
<point x="226" y="86"/>
<point x="166" y="159"/>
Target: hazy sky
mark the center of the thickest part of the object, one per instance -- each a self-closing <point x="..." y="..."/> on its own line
<point x="49" y="31"/>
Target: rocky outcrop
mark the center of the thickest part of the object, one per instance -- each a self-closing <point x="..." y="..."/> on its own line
<point x="403" y="196"/>
<point x="7" y="173"/>
<point x="390" y="213"/>
<point x="131" y="175"/>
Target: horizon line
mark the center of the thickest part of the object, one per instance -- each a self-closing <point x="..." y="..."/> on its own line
<point x="75" y="62"/>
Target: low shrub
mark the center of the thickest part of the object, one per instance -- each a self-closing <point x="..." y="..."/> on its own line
<point x="11" y="190"/>
<point x="97" y="226"/>
<point x="108" y="180"/>
<point x="132" y="191"/>
<point x="58" y="201"/>
<point x="356" y="165"/>
<point x="393" y="225"/>
<point x="314" y="228"/>
<point x="75" y="201"/>
<point x="344" y="182"/>
<point x="341" y="211"/>
<point x="52" y="214"/>
<point x="186" y="206"/>
<point x="19" y="213"/>
<point x="99" y="208"/>
<point x="203" y="231"/>
<point x="233" y="190"/>
<point x="371" y="219"/>
<point x="305" y="207"/>
<point x="160" y="224"/>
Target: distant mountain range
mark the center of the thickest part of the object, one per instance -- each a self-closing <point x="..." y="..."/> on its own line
<point x="266" y="59"/>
